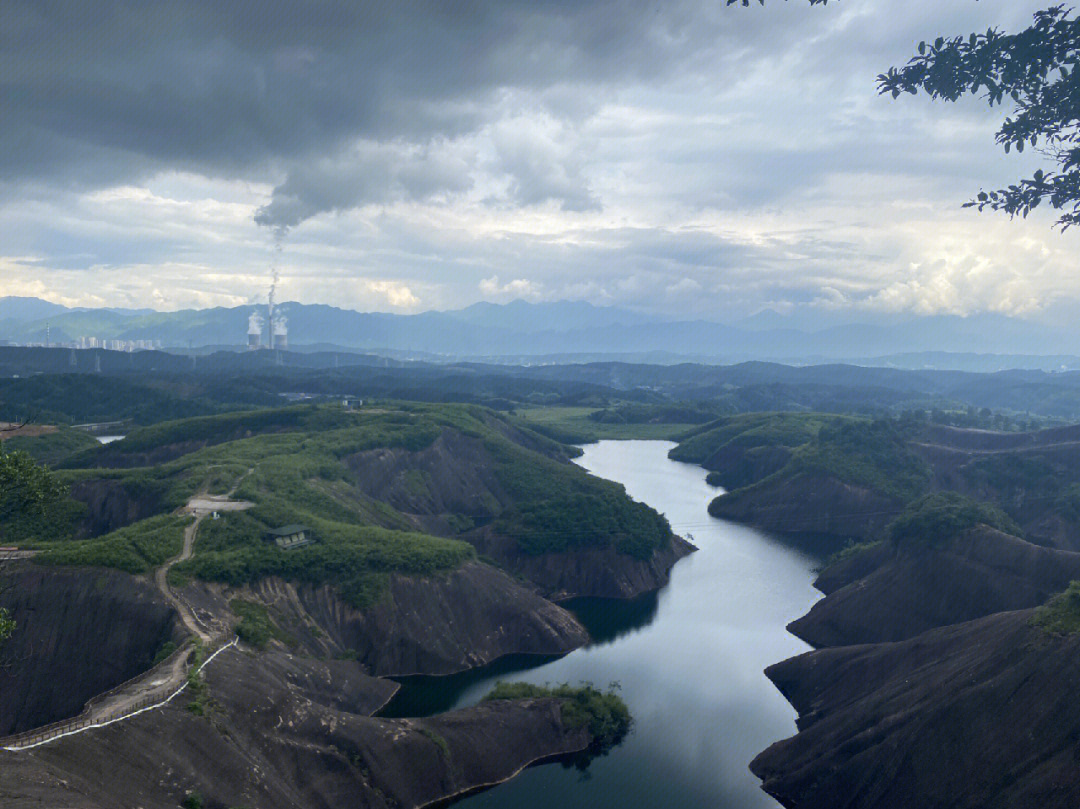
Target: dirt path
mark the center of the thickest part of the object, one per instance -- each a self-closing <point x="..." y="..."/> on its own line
<point x="158" y="683"/>
<point x="162" y="683"/>
<point x="199" y="506"/>
<point x="161" y="578"/>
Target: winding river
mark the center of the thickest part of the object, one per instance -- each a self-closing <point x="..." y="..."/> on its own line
<point x="689" y="660"/>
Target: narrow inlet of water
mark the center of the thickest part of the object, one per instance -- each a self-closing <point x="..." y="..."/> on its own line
<point x="689" y="660"/>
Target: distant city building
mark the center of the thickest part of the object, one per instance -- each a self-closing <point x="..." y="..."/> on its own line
<point x="89" y="342"/>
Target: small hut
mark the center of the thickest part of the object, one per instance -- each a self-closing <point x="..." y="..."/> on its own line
<point x="288" y="537"/>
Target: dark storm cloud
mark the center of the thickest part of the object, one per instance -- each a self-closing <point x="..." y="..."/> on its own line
<point x="100" y="92"/>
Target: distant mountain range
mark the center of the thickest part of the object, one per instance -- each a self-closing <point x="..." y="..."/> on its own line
<point x="574" y="331"/>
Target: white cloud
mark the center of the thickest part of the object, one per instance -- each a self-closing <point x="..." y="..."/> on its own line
<point x="492" y="290"/>
<point x="701" y="160"/>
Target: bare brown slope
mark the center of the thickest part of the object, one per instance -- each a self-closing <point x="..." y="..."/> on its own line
<point x="456" y="477"/>
<point x="1025" y="474"/>
<point x="909" y="591"/>
<point x="78" y="633"/>
<point x="595" y="572"/>
<point x="287" y="733"/>
<point x="980" y="714"/>
<point x="436" y="625"/>
<point x="810" y="504"/>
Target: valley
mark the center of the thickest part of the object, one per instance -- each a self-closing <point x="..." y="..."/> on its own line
<point x="334" y="589"/>
<point x="441" y="539"/>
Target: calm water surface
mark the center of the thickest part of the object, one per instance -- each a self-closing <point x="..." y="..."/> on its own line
<point x="689" y="660"/>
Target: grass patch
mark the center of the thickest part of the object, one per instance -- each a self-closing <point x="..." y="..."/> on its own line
<point x="256" y="628"/>
<point x="437" y="739"/>
<point x="604" y="713"/>
<point x="1061" y="614"/>
<point x="587" y="425"/>
<point x="850" y="551"/>
<point x="137" y="548"/>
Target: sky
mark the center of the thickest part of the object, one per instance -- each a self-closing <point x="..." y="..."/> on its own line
<point x="682" y="158"/>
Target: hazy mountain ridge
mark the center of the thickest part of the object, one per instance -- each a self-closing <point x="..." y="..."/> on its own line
<point x="536" y="330"/>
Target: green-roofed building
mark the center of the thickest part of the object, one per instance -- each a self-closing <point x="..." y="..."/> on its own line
<point x="290" y="536"/>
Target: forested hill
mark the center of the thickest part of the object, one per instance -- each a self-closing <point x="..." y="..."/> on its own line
<point x="65" y="385"/>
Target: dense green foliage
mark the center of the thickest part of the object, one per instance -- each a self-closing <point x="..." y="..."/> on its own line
<point x="224" y="427"/>
<point x="26" y="485"/>
<point x="748" y="431"/>
<point x="604" y="713"/>
<point x="872" y="454"/>
<point x="256" y="627"/>
<point x="83" y="398"/>
<point x="197" y="690"/>
<point x="1067" y="503"/>
<point x="354" y="559"/>
<point x="850" y="551"/>
<point x="292" y="464"/>
<point x="1018" y="480"/>
<point x="941" y="516"/>
<point x="33" y="501"/>
<point x="753" y="447"/>
<point x="137" y="548"/>
<point x="1061" y="614"/>
<point x="558" y="508"/>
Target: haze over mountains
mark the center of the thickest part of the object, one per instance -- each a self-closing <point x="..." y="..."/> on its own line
<point x="533" y="332"/>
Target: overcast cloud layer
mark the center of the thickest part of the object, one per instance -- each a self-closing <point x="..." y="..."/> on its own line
<point x="679" y="157"/>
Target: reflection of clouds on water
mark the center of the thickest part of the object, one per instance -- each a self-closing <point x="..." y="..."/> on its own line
<point x="689" y="659"/>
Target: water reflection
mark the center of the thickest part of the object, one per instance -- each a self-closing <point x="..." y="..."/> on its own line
<point x="608" y="620"/>
<point x="422" y="695"/>
<point x="689" y="660"/>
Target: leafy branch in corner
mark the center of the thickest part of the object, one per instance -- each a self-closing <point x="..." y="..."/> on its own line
<point x="1035" y="70"/>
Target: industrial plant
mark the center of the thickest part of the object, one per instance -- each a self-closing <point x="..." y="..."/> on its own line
<point x="274" y="325"/>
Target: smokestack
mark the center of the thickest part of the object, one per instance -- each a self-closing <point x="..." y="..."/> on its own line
<point x="270" y="333"/>
<point x="281" y="331"/>
<point x="254" y="332"/>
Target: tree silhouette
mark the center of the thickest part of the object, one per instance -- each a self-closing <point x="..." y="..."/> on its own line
<point x="1035" y="70"/>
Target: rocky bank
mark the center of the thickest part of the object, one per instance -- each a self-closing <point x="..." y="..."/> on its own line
<point x="287" y="733"/>
<point x="978" y="714"/>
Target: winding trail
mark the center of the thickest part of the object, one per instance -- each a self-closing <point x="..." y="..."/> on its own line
<point x="200" y="506"/>
<point x="164" y="681"/>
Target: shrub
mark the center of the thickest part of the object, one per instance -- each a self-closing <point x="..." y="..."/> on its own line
<point x="939" y="517"/>
<point x="849" y="551"/>
<point x="1061" y="614"/>
<point x="604" y="713"/>
<point x="557" y="507"/>
<point x="256" y="627"/>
